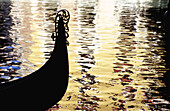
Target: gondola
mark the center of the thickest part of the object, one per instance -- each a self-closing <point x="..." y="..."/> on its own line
<point x="45" y="87"/>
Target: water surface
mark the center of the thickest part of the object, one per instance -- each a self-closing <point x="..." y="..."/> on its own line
<point x="116" y="50"/>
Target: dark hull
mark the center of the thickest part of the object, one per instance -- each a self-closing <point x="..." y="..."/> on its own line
<point x="43" y="88"/>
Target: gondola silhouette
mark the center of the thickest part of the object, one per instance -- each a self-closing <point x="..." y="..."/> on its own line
<point x="46" y="86"/>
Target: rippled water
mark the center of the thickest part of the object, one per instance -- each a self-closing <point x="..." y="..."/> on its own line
<point x="116" y="50"/>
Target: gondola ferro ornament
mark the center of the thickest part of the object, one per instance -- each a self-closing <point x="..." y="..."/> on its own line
<point x="46" y="86"/>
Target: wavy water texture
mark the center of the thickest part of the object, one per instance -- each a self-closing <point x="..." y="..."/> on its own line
<point x="116" y="50"/>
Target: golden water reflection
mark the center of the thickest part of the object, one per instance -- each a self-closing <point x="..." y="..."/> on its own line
<point x="34" y="27"/>
<point x="120" y="58"/>
<point x="116" y="51"/>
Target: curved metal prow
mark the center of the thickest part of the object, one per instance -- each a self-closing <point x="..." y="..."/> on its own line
<point x="65" y="15"/>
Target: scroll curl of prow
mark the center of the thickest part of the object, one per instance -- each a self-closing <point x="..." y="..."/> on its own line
<point x="65" y="15"/>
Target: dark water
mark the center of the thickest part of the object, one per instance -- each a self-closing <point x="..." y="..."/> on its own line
<point x="116" y="52"/>
<point x="8" y="58"/>
<point x="25" y="38"/>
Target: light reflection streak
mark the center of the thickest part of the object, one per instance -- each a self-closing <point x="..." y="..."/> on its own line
<point x="87" y="60"/>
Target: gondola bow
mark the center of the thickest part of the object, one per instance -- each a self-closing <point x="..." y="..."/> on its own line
<point x="46" y="86"/>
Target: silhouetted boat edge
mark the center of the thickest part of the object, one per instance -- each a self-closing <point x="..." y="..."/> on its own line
<point x="46" y="86"/>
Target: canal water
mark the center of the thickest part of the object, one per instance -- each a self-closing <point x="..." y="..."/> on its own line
<point x="116" y="52"/>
